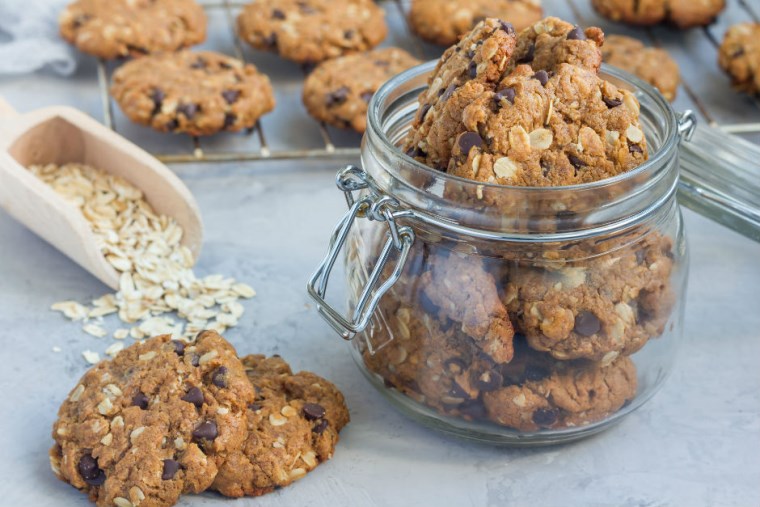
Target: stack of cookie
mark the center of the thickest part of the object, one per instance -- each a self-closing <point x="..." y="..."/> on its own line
<point x="531" y="336"/>
<point x="168" y="417"/>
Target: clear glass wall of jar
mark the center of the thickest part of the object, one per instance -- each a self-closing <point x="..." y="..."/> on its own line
<point x="508" y="314"/>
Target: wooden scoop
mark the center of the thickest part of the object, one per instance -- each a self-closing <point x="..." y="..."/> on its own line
<point x="61" y="135"/>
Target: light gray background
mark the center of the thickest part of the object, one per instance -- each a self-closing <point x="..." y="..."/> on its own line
<point x="697" y="443"/>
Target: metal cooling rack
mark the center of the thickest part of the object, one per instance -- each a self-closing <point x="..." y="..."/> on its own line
<point x="257" y="148"/>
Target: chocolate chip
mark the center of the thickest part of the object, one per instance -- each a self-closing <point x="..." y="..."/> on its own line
<point x="225" y="65"/>
<point x="576" y="34"/>
<point x="457" y="391"/>
<point x="640" y="256"/>
<point x="739" y="52"/>
<point x="544" y="417"/>
<point x="195" y="396"/>
<point x="542" y="77"/>
<point x="507" y="27"/>
<point x="544" y="168"/>
<point x="278" y="14"/>
<point x="306" y="8"/>
<point x="449" y="91"/>
<point x="179" y="347"/>
<point x="349" y="34"/>
<point x="157" y="96"/>
<point x="140" y="400"/>
<point x="231" y="96"/>
<point x="219" y="377"/>
<point x="454" y="365"/>
<point x="229" y="119"/>
<point x="337" y="97"/>
<point x="587" y="324"/>
<point x="200" y="63"/>
<point x="189" y="110"/>
<point x="88" y="469"/>
<point x="473" y="409"/>
<point x="529" y="55"/>
<point x="635" y="148"/>
<point x="489" y="381"/>
<point x="472" y="70"/>
<point x="612" y="102"/>
<point x="170" y="469"/>
<point x="313" y="411"/>
<point x="505" y="93"/>
<point x="423" y="111"/>
<point x="320" y="427"/>
<point x="172" y="125"/>
<point x="366" y="96"/>
<point x="195" y="360"/>
<point x="535" y="373"/>
<point x="415" y="152"/>
<point x="382" y="63"/>
<point x="270" y="40"/>
<point x="254" y="407"/>
<point x="80" y="20"/>
<point x="470" y="54"/>
<point x="206" y="431"/>
<point x="577" y="163"/>
<point x="468" y="141"/>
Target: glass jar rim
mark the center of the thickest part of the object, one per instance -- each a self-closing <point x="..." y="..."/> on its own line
<point x="672" y="136"/>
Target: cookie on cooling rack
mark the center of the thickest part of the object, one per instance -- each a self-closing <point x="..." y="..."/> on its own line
<point x="653" y="65"/>
<point x="118" y="28"/>
<point x="337" y="91"/>
<point x="443" y="21"/>
<point x="739" y="56"/>
<point x="310" y="31"/>
<point x="681" y="13"/>
<point x="198" y="93"/>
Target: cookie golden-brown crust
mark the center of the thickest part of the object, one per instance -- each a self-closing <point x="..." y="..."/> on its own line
<point x="337" y="91"/>
<point x="653" y="65"/>
<point x="681" y="13"/>
<point x="310" y="31"/>
<point x="292" y="426"/>
<point x="118" y="28"/>
<point x="444" y="21"/>
<point x="739" y="56"/>
<point x="198" y="93"/>
<point x="156" y="421"/>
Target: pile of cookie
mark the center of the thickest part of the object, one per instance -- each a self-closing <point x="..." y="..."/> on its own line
<point x="173" y="89"/>
<point x="530" y="336"/>
<point x="169" y="417"/>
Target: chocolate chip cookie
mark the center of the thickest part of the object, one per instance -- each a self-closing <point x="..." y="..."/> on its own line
<point x="119" y="28"/>
<point x="598" y="308"/>
<point x="292" y="427"/>
<point x="435" y="364"/>
<point x="542" y="130"/>
<point x="198" y="93"/>
<point x="653" y="65"/>
<point x="537" y="393"/>
<point x="337" y="91"/>
<point x="681" y="13"/>
<point x="459" y="288"/>
<point x="310" y="31"/>
<point x="443" y="21"/>
<point x="155" y="422"/>
<point x="739" y="56"/>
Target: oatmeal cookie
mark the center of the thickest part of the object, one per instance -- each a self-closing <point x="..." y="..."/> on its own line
<point x="681" y="13"/>
<point x="538" y="393"/>
<point x="337" y="91"/>
<point x="293" y="426"/>
<point x="156" y="421"/>
<point x="198" y="93"/>
<point x="653" y="65"/>
<point x="119" y="28"/>
<point x="443" y="21"/>
<point x="739" y="56"/>
<point x="311" y="31"/>
<point x="539" y="130"/>
<point x="462" y="290"/>
<point x="598" y="308"/>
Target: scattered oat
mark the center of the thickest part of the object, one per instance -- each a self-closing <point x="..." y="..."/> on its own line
<point x="114" y="349"/>
<point x="56" y="349"/>
<point x="145" y="248"/>
<point x="91" y="357"/>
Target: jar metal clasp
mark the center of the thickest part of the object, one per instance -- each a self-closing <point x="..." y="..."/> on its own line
<point x="374" y="206"/>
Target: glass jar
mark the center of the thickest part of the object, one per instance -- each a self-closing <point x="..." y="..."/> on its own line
<point x="510" y="314"/>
